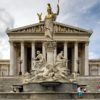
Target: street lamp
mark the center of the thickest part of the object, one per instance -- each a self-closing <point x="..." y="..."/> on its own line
<point x="20" y="63"/>
<point x="78" y="62"/>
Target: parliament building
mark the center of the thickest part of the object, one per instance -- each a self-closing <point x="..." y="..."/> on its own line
<point x="29" y="41"/>
<point x="25" y="41"/>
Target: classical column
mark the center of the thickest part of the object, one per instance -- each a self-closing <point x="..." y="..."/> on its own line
<point x="98" y="69"/>
<point x="66" y="53"/>
<point x="23" y="67"/>
<point x="86" y="71"/>
<point x="12" y="64"/>
<point x="43" y="50"/>
<point x="33" y="53"/>
<point x="75" y="57"/>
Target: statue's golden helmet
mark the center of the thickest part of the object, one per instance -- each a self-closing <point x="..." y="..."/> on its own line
<point x="49" y="9"/>
<point x="49" y="6"/>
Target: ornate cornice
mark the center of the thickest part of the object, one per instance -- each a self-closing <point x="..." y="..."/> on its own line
<point x="40" y="28"/>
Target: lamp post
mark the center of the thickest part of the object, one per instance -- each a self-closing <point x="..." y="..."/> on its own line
<point x="78" y="62"/>
<point x="20" y="63"/>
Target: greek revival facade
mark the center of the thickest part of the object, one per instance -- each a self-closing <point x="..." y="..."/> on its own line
<point x="25" y="41"/>
<point x="48" y="59"/>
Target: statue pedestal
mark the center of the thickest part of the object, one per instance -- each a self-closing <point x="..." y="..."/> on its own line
<point x="50" y="46"/>
<point x="53" y="87"/>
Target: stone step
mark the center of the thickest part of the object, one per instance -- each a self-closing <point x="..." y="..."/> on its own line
<point x="15" y="99"/>
<point x="6" y="83"/>
<point x="91" y="82"/>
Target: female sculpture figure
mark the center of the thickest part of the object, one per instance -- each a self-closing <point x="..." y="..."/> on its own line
<point x="51" y="15"/>
<point x="40" y="17"/>
<point x="49" y="22"/>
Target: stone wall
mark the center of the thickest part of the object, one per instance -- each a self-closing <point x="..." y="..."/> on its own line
<point x="7" y="82"/>
<point x="48" y="96"/>
<point x="92" y="83"/>
<point x="4" y="67"/>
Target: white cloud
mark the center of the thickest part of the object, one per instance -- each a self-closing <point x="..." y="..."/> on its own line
<point x="72" y="9"/>
<point x="93" y="55"/>
<point x="78" y="6"/>
<point x="4" y="49"/>
<point x="6" y="21"/>
<point x="25" y="12"/>
<point x="98" y="22"/>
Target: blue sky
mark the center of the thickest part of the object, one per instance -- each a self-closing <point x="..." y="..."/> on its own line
<point x="81" y="13"/>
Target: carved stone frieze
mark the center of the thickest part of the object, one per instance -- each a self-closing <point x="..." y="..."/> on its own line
<point x="40" y="28"/>
<point x="47" y="72"/>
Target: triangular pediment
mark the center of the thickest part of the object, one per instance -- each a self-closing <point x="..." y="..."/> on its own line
<point x="40" y="28"/>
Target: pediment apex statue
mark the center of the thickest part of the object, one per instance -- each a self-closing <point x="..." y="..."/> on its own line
<point x="49" y="18"/>
<point x="51" y="15"/>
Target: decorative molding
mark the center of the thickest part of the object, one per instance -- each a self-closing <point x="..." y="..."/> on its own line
<point x="40" y="28"/>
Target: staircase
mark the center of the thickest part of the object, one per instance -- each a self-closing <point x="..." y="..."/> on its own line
<point x="6" y="83"/>
<point x="92" y="83"/>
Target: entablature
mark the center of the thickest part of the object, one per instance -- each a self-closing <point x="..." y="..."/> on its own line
<point x="58" y="28"/>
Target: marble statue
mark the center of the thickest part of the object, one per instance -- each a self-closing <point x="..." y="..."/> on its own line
<point x="52" y="15"/>
<point x="39" y="17"/>
<point x="49" y="70"/>
<point x="26" y="78"/>
<point x="49" y="22"/>
<point x="60" y="65"/>
<point x="73" y="77"/>
<point x="38" y="61"/>
<point x="46" y="72"/>
<point x="39" y="57"/>
<point x="60" y="57"/>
